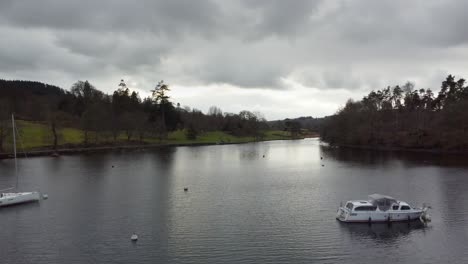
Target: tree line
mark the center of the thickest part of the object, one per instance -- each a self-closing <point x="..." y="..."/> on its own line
<point x="298" y="127"/>
<point x="101" y="115"/>
<point x="404" y="117"/>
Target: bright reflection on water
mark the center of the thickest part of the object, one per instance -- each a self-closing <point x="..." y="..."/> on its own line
<point x="241" y="207"/>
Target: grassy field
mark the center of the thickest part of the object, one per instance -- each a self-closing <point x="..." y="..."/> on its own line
<point x="36" y="136"/>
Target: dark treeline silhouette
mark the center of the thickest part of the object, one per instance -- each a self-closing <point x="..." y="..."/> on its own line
<point x="101" y="115"/>
<point x="403" y="117"/>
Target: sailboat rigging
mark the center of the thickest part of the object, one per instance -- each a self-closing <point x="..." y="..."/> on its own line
<point x="11" y="198"/>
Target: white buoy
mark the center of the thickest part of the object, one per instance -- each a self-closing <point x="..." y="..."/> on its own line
<point x="134" y="237"/>
<point x="45" y="196"/>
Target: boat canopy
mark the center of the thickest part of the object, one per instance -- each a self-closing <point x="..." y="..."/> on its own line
<point x="382" y="201"/>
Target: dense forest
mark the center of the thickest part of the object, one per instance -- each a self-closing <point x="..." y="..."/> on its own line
<point x="102" y="115"/>
<point x="404" y="117"/>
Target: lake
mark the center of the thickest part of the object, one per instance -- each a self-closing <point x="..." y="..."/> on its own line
<point x="268" y="202"/>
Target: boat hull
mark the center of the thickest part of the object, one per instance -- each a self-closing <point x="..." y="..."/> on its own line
<point x="344" y="215"/>
<point x="8" y="199"/>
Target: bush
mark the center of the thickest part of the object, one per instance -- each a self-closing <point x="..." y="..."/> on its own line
<point x="191" y="133"/>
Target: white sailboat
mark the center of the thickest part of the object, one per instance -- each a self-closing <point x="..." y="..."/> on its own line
<point x="11" y="198"/>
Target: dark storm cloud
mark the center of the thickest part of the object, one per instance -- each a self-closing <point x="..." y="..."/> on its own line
<point x="323" y="44"/>
<point x="160" y="17"/>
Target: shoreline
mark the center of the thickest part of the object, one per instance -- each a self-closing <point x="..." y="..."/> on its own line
<point x="80" y="149"/>
<point x="109" y="148"/>
<point x="399" y="149"/>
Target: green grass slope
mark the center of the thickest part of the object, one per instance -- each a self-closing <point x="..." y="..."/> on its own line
<point x="37" y="135"/>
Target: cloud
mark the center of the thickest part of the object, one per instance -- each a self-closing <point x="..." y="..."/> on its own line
<point x="252" y="45"/>
<point x="157" y="17"/>
<point x="281" y="18"/>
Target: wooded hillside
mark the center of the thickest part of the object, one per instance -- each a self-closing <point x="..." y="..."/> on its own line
<point x="404" y="117"/>
<point x="99" y="115"/>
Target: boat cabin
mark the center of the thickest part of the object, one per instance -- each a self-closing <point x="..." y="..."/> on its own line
<point x="382" y="202"/>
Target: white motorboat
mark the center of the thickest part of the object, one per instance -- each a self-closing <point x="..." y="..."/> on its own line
<point x="380" y="208"/>
<point x="11" y="198"/>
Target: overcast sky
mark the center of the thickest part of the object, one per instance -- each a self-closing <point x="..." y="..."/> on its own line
<point x="282" y="58"/>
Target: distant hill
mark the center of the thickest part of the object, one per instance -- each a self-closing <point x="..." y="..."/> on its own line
<point x="305" y="122"/>
<point x="9" y="88"/>
<point x="28" y="99"/>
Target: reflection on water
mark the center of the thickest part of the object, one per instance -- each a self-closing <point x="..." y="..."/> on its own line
<point x="267" y="202"/>
<point x="382" y="232"/>
<point x="365" y="157"/>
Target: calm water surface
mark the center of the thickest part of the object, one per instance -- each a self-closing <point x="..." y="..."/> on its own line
<point x="241" y="207"/>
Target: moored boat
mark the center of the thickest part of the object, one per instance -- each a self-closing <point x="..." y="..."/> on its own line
<point x="19" y="197"/>
<point x="11" y="198"/>
<point x="380" y="208"/>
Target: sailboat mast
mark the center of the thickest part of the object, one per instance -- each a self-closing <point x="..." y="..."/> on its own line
<point x="14" y="149"/>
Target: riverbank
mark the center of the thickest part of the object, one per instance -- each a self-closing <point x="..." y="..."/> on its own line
<point x="35" y="139"/>
<point x="35" y="144"/>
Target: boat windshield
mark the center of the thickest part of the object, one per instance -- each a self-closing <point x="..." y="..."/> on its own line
<point x="383" y="202"/>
